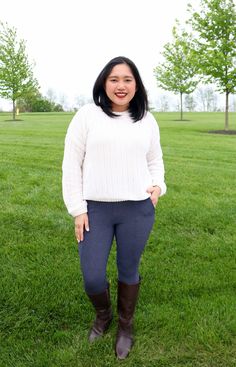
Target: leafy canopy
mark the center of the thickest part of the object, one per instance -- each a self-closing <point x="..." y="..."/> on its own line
<point x="16" y="76"/>
<point x="178" y="72"/>
<point x="214" y="29"/>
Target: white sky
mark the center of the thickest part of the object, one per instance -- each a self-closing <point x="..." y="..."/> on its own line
<point x="71" y="41"/>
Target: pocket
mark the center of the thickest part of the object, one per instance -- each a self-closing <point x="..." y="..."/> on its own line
<point x="149" y="207"/>
<point x="152" y="203"/>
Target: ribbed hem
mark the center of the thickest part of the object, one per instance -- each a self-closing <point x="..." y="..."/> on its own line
<point x="82" y="209"/>
<point x="116" y="200"/>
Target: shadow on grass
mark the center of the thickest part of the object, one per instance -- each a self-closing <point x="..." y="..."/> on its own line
<point x="183" y="120"/>
<point x="13" y="120"/>
<point x="223" y="132"/>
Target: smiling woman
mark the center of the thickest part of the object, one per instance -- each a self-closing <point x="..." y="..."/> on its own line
<point x="113" y="175"/>
<point x="120" y="87"/>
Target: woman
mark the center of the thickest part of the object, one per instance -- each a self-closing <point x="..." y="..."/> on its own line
<point x="113" y="175"/>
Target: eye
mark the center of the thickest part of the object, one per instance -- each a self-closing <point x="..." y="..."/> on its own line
<point x="112" y="80"/>
<point x="128" y="80"/>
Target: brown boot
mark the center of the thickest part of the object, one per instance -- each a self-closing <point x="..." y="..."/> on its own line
<point x="127" y="298"/>
<point x="102" y="305"/>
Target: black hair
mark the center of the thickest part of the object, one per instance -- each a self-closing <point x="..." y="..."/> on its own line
<point x="138" y="106"/>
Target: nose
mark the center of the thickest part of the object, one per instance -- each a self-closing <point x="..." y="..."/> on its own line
<point x="120" y="85"/>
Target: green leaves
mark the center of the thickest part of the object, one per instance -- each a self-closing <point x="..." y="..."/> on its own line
<point x="178" y="73"/>
<point x="16" y="75"/>
<point x="215" y="39"/>
<point x="208" y="53"/>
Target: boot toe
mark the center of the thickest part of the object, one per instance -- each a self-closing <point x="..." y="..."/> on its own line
<point x="123" y="347"/>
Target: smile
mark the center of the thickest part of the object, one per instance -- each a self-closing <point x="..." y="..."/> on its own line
<point x="121" y="94"/>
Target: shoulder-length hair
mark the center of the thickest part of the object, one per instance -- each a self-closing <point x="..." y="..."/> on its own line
<point x="138" y="106"/>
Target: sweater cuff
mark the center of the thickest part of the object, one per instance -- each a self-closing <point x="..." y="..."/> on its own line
<point x="162" y="186"/>
<point x="80" y="209"/>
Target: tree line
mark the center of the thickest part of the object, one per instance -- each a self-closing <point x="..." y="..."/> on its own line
<point x="203" y="50"/>
<point x="203" y="99"/>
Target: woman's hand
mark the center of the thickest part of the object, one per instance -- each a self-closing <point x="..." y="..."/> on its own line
<point x="81" y="223"/>
<point x="155" y="192"/>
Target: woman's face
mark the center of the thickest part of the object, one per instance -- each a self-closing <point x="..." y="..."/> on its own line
<point x="120" y="87"/>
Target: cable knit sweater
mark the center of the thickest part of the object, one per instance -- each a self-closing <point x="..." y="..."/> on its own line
<point x="110" y="159"/>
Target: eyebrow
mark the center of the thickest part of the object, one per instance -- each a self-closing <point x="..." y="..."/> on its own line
<point x="118" y="76"/>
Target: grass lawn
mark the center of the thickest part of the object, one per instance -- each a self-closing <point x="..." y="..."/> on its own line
<point x="186" y="315"/>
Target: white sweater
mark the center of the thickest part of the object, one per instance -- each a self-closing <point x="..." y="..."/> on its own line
<point x="110" y="159"/>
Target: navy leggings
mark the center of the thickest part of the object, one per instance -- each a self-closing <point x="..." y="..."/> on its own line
<point x="130" y="222"/>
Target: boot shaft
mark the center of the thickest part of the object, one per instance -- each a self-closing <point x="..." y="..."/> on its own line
<point x="127" y="299"/>
<point x="103" y="309"/>
<point x="101" y="301"/>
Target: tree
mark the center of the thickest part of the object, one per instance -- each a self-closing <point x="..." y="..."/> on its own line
<point x="190" y="103"/>
<point x="63" y="101"/>
<point x="16" y="75"/>
<point x="208" y="98"/>
<point x="51" y="95"/>
<point x="25" y="103"/>
<point x="178" y="72"/>
<point x="35" y="102"/>
<point x="41" y="104"/>
<point x="164" y="103"/>
<point x="215" y="38"/>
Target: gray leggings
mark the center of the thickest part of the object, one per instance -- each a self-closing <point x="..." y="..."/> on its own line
<point x="130" y="222"/>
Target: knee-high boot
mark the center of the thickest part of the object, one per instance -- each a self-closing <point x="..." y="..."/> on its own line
<point x="127" y="299"/>
<point x="102" y="305"/>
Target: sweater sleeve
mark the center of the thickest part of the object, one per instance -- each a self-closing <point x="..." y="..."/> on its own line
<point x="155" y="160"/>
<point x="74" y="152"/>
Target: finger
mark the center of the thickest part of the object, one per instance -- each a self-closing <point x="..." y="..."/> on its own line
<point x="86" y="224"/>
<point x="81" y="233"/>
<point x="77" y="234"/>
<point x="156" y="201"/>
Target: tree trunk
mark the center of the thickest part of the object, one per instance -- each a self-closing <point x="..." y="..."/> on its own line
<point x="181" y="106"/>
<point x="227" y="111"/>
<point x="14" y="109"/>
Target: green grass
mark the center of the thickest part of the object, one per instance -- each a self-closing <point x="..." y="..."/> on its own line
<point x="186" y="315"/>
